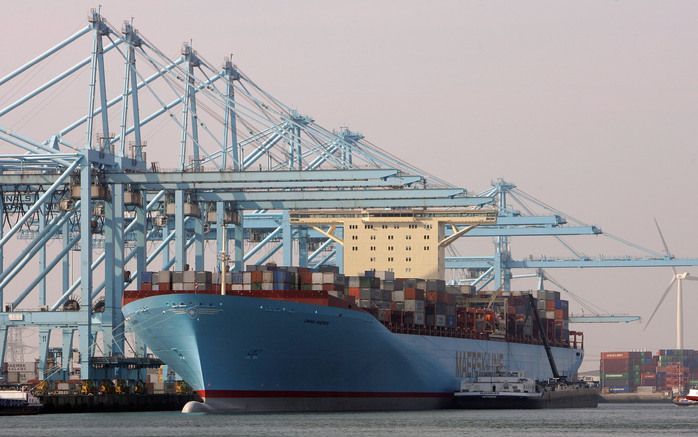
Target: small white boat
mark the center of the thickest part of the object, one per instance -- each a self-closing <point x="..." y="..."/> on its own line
<point x="687" y="400"/>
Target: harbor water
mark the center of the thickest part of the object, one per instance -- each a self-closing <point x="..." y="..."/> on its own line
<point x="609" y="419"/>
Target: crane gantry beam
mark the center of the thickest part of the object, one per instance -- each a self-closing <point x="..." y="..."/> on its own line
<point x="487" y="262"/>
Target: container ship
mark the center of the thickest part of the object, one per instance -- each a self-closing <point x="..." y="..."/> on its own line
<point x="384" y="344"/>
<point x="295" y="339"/>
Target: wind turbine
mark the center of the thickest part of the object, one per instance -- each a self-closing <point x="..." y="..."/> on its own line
<point x="678" y="278"/>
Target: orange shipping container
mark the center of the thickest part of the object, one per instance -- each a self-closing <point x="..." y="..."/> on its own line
<point x="414" y="294"/>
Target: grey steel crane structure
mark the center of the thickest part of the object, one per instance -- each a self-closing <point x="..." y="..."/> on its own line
<point x="239" y="149"/>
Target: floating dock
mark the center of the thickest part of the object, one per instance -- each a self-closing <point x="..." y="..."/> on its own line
<point x="72" y="403"/>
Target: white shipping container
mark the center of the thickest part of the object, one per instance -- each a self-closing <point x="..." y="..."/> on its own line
<point x="386" y="276"/>
<point x="164" y="276"/>
<point x="440" y="320"/>
<point x="419" y="318"/>
<point x="267" y="285"/>
<point x="317" y="278"/>
<point x="398" y="296"/>
<point x="247" y="277"/>
<point x="328" y="277"/>
<point x="267" y="276"/>
<point x="416" y="306"/>
<point x="189" y="276"/>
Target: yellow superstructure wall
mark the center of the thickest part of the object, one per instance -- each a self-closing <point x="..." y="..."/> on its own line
<point x="410" y="249"/>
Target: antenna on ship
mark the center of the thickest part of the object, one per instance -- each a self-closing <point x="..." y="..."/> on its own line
<point x="224" y="259"/>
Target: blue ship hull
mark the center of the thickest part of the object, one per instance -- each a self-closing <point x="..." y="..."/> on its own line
<point x="252" y="354"/>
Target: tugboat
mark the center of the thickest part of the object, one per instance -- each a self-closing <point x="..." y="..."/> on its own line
<point x="18" y="402"/>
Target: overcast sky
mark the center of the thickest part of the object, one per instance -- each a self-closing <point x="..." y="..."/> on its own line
<point x="590" y="106"/>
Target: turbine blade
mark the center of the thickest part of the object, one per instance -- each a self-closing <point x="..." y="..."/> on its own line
<point x="668" y="289"/>
<point x="666" y="247"/>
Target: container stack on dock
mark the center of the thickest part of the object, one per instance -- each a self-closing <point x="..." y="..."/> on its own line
<point x="677" y="368"/>
<point x="671" y="370"/>
<point x="403" y="304"/>
<point x="621" y="372"/>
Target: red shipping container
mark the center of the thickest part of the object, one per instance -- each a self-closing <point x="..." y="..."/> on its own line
<point x="414" y="294"/>
<point x="616" y="355"/>
<point x="615" y="366"/>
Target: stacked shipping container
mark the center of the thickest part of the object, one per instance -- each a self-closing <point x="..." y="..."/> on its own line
<point x="670" y="370"/>
<point x="402" y="304"/>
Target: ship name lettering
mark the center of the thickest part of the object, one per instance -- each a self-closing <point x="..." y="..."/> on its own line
<point x="470" y="363"/>
<point x="316" y="322"/>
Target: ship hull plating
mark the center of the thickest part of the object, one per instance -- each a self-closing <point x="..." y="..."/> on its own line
<point x="250" y="354"/>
